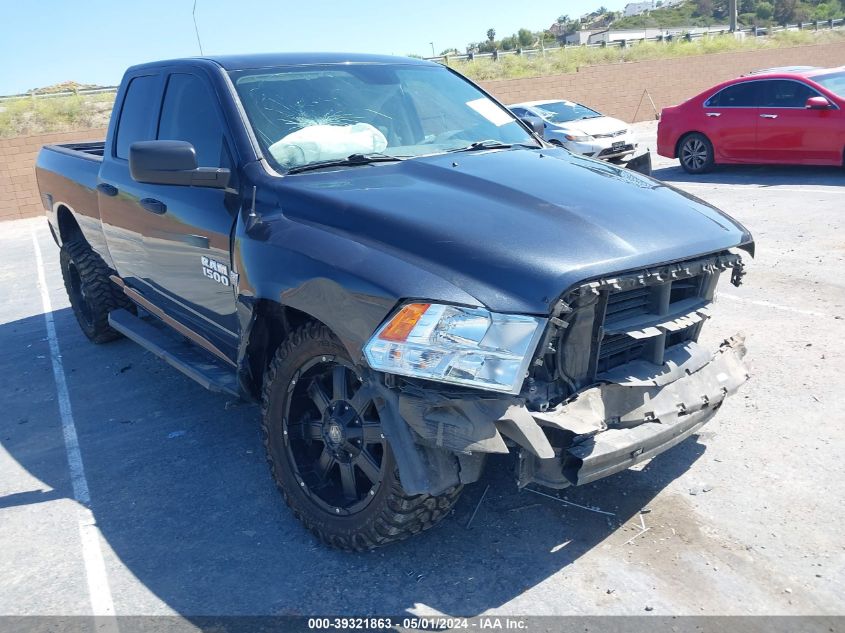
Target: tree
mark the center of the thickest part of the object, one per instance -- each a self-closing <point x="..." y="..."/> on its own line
<point x="525" y="38"/>
<point x="765" y="11"/>
<point x="563" y="19"/>
<point x="827" y="10"/>
<point x="704" y="8"/>
<point x="784" y="11"/>
<point x="491" y="35"/>
<point x="509" y="43"/>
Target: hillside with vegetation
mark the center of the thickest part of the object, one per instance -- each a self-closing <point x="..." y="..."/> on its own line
<point x="691" y="13"/>
<point x="751" y="13"/>
<point x="30" y="115"/>
<point x="570" y="59"/>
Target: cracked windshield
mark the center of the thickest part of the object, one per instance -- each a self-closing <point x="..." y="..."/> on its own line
<point x="307" y="116"/>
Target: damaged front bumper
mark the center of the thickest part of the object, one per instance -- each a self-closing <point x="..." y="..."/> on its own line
<point x="633" y="414"/>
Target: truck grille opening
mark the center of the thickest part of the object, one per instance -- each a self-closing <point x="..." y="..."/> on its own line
<point x="639" y="308"/>
<point x="631" y="317"/>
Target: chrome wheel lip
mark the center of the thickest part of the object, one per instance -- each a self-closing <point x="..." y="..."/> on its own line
<point x="344" y="450"/>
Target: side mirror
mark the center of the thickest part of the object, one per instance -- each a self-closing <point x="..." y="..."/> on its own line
<point x="817" y="103"/>
<point x="535" y="123"/>
<point x="172" y="163"/>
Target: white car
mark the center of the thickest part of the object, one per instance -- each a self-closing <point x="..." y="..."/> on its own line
<point x="580" y="129"/>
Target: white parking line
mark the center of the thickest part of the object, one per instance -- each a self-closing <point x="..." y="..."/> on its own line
<point x="776" y="306"/>
<point x="95" y="569"/>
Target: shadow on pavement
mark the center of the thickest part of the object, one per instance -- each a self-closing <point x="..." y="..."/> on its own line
<point x="182" y="495"/>
<point x="761" y="175"/>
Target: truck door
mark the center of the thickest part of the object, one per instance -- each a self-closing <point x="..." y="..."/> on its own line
<point x="118" y="196"/>
<point x="187" y="241"/>
<point x="185" y="231"/>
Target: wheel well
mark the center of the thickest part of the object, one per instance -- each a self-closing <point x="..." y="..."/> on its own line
<point x="272" y="323"/>
<point x="68" y="226"/>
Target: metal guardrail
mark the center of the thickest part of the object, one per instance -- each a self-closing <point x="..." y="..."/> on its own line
<point x="66" y="93"/>
<point x="688" y="36"/>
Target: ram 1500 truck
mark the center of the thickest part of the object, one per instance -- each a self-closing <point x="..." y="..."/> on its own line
<point x="404" y="275"/>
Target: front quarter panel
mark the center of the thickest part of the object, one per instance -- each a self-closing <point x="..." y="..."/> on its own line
<point x="348" y="286"/>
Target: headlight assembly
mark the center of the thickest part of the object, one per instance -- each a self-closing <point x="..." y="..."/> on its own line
<point x="578" y="138"/>
<point x="465" y="346"/>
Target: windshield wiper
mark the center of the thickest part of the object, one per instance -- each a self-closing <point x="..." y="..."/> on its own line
<point x="350" y="161"/>
<point x="490" y="144"/>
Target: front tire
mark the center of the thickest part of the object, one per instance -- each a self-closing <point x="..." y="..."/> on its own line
<point x="92" y="294"/>
<point x="695" y="151"/>
<point x="328" y="454"/>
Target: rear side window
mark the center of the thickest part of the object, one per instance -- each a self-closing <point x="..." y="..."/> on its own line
<point x="785" y="94"/>
<point x="741" y="95"/>
<point x="189" y="113"/>
<point x="136" y="116"/>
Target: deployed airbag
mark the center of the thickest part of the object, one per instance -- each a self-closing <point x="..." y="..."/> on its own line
<point x="317" y="143"/>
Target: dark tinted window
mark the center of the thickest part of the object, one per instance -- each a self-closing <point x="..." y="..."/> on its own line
<point x="785" y="94"/>
<point x="136" y="116"/>
<point x="741" y="95"/>
<point x="189" y="113"/>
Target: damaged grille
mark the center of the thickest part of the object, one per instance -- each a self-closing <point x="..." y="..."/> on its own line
<point x="629" y="331"/>
<point x="636" y="316"/>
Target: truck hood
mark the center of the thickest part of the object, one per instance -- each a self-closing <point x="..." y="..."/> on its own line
<point x="513" y="228"/>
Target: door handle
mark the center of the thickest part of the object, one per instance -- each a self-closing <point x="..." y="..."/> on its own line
<point x="107" y="189"/>
<point x="714" y="114"/>
<point x="768" y="116"/>
<point x="154" y="206"/>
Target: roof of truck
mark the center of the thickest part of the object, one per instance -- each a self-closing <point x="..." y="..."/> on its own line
<point x="268" y="60"/>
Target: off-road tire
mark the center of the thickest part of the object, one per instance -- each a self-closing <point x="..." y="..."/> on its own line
<point x="695" y="152"/>
<point x="92" y="294"/>
<point x="392" y="515"/>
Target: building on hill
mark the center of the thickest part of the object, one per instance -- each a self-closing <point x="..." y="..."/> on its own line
<point x="637" y="8"/>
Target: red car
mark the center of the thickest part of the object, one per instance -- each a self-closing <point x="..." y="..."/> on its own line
<point x="790" y="115"/>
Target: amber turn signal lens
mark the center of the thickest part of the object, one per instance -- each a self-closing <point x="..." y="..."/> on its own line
<point x="401" y="325"/>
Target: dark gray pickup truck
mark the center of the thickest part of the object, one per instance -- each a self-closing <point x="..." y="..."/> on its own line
<point x="403" y="274"/>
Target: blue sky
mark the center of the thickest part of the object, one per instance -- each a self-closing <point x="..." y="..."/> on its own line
<point x="44" y="42"/>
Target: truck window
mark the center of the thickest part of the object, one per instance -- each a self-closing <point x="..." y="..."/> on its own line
<point x="189" y="113"/>
<point x="136" y="116"/>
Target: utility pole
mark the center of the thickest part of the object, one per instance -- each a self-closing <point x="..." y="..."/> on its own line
<point x="732" y="14"/>
<point x="433" y="54"/>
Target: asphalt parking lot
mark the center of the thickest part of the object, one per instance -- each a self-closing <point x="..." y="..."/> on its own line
<point x="745" y="518"/>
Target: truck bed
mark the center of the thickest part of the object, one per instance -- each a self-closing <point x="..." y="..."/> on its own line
<point x="67" y="177"/>
<point x="90" y="150"/>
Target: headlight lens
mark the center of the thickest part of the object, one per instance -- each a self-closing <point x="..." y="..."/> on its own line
<point x="578" y="138"/>
<point x="465" y="346"/>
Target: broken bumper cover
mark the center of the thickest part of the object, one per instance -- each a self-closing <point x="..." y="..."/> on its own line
<point x="603" y="430"/>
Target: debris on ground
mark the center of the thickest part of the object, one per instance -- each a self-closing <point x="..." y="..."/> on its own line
<point x="478" y="505"/>
<point x="570" y="503"/>
<point x="700" y="489"/>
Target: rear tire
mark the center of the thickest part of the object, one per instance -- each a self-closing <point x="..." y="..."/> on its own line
<point x="695" y="151"/>
<point x="92" y="294"/>
<point x="327" y="453"/>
